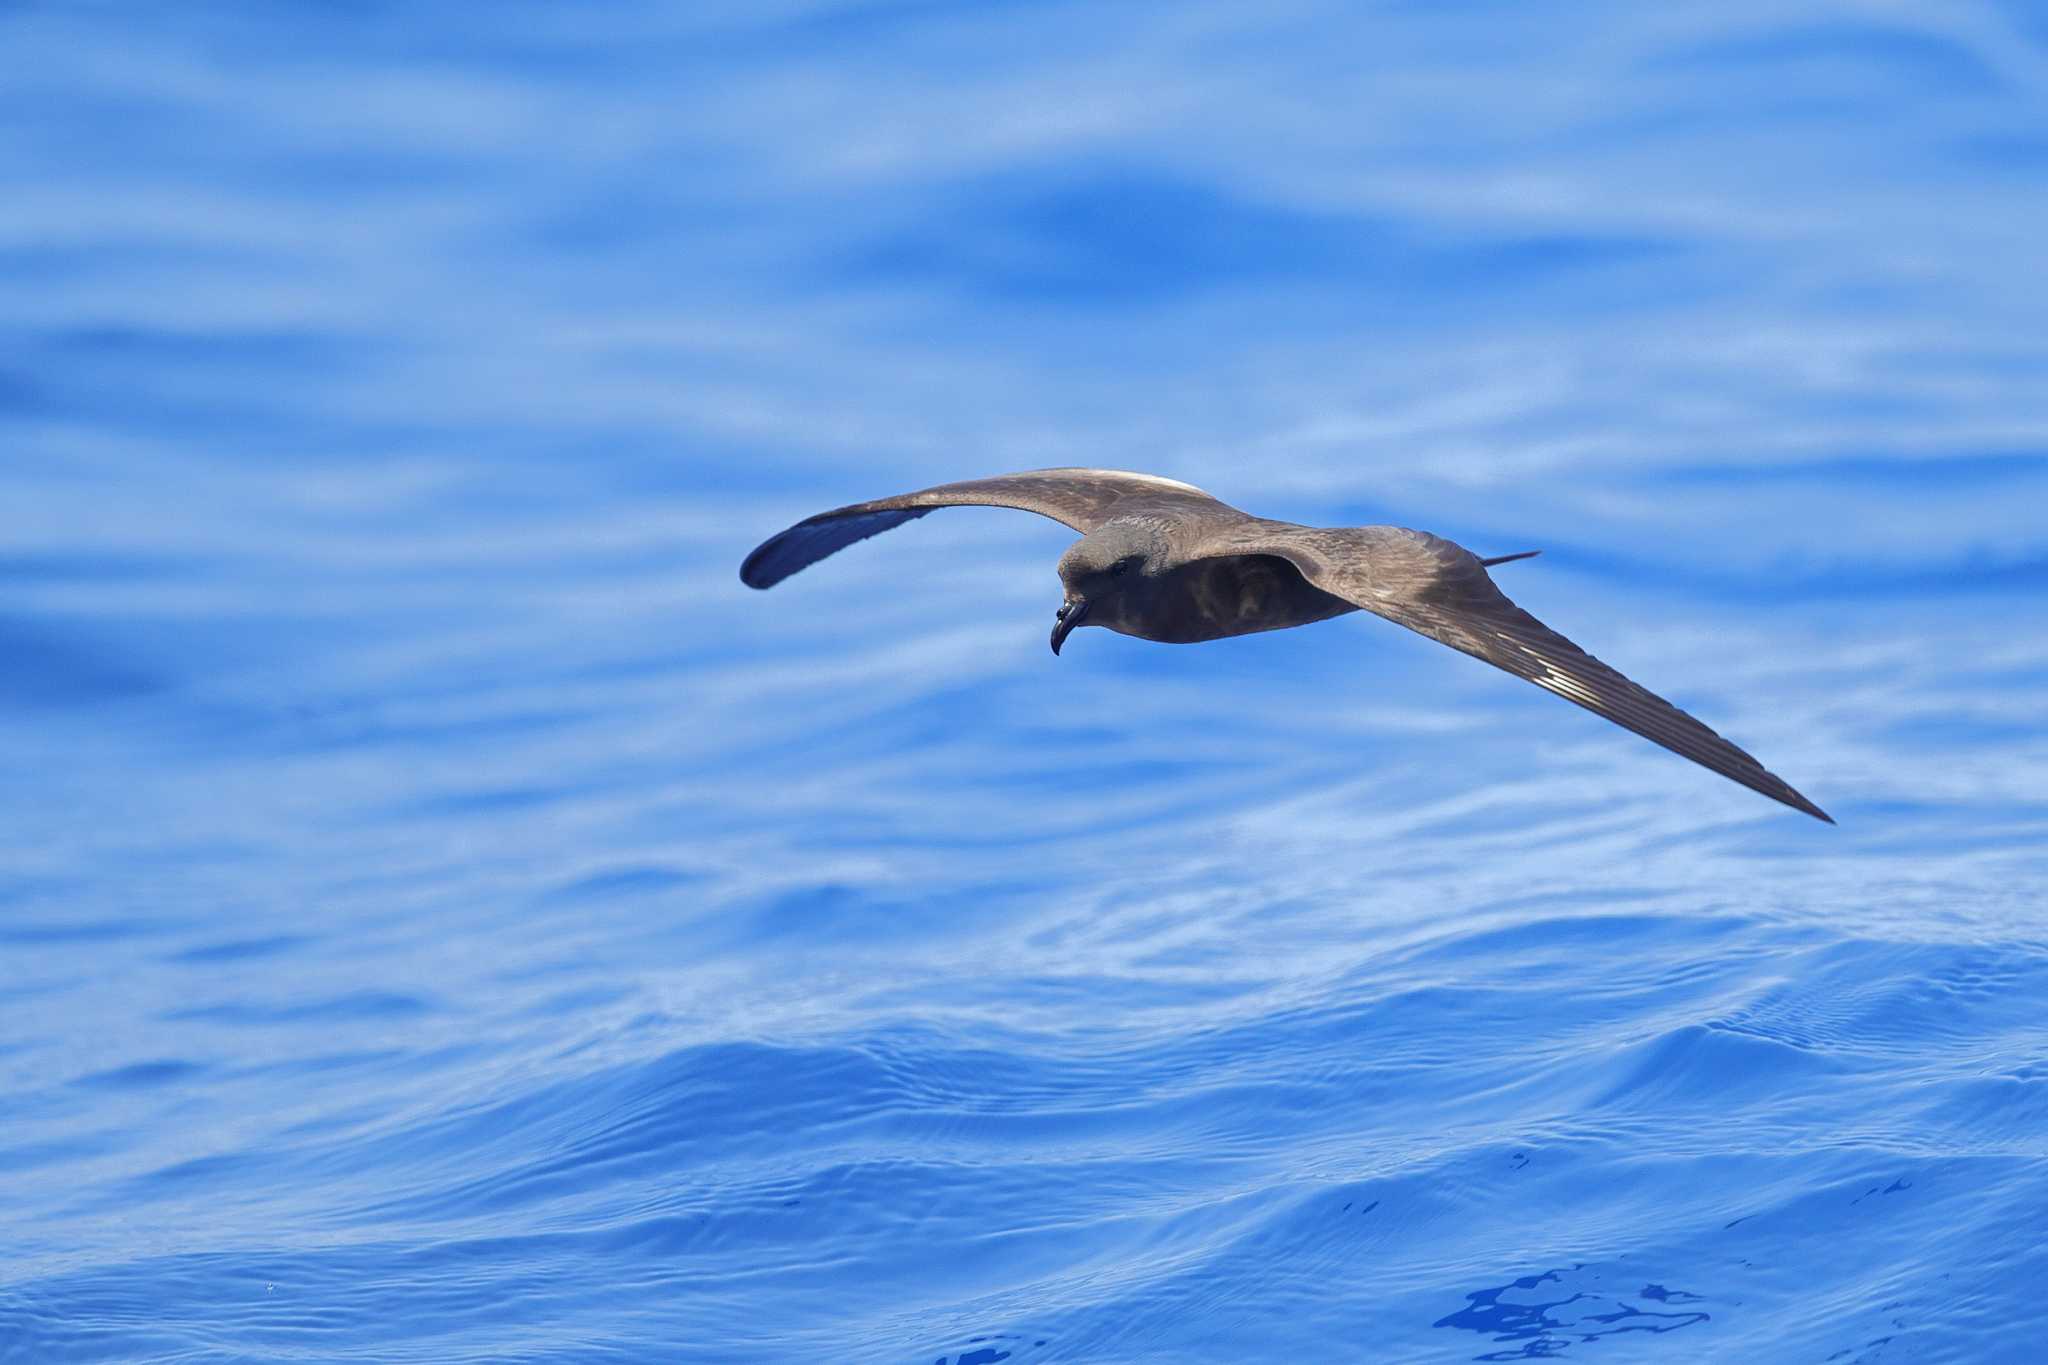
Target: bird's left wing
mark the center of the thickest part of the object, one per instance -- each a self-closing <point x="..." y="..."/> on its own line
<point x="1441" y="590"/>
<point x="1080" y="498"/>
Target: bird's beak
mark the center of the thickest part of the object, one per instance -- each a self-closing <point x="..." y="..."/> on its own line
<point x="1070" y="615"/>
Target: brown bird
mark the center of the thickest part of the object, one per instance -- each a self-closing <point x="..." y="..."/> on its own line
<point x="1163" y="560"/>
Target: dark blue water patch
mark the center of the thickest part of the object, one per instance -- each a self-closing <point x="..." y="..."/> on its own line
<point x="1857" y="1004"/>
<point x="365" y="175"/>
<point x="756" y="473"/>
<point x="628" y="881"/>
<point x="696" y="1106"/>
<point x="1553" y="1310"/>
<point x="1135" y="236"/>
<point x="75" y="348"/>
<point x="1956" y="826"/>
<point x="51" y="262"/>
<point x="326" y="1063"/>
<point x="85" y="931"/>
<point x="899" y="35"/>
<point x="638" y="660"/>
<point x="46" y="663"/>
<point x="1954" y="471"/>
<point x="854" y="21"/>
<point x="1544" y="941"/>
<point x="491" y="800"/>
<point x="21" y="396"/>
<point x="224" y="1168"/>
<point x="647" y="218"/>
<point x="1967" y="574"/>
<point x="566" y="1298"/>
<point x="1116" y="238"/>
<point x="249" y="419"/>
<point x="80" y="119"/>
<point x="1931" y="731"/>
<point x="142" y="1075"/>
<point x="1574" y="904"/>
<point x="277" y="1303"/>
<point x="242" y="949"/>
<point x="95" y="566"/>
<point x="158" y="382"/>
<point x="19" y="889"/>
<point x="78" y="1144"/>
<point x="1914" y="60"/>
<point x="2027" y="18"/>
<point x="380" y="36"/>
<point x="389" y="724"/>
<point x="1999" y="577"/>
<point x="1698" y="1066"/>
<point x="2016" y="153"/>
<point x="46" y="987"/>
<point x="364" y="1005"/>
<point x="820" y="916"/>
<point x="814" y="913"/>
<point x="577" y="1001"/>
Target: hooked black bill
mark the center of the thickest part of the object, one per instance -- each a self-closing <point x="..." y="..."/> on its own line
<point x="1069" y="615"/>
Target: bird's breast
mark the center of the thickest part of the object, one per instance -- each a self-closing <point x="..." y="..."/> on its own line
<point x="1211" y="599"/>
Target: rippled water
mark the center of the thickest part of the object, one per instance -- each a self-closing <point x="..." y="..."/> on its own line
<point x="446" y="917"/>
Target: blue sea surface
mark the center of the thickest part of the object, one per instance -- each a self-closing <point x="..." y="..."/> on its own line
<point x="445" y="916"/>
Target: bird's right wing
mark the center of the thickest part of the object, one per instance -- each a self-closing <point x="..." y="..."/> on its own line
<point x="1442" y="590"/>
<point x="1080" y="498"/>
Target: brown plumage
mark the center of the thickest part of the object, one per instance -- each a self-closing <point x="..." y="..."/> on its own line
<point x="1162" y="560"/>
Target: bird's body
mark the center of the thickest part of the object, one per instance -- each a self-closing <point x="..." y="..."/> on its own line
<point x="1214" y="599"/>
<point x="1164" y="561"/>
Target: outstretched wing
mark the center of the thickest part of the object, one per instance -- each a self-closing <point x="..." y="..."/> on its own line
<point x="1080" y="498"/>
<point x="1443" y="591"/>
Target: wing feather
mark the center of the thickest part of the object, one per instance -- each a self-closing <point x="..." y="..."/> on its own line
<point x="1443" y="591"/>
<point x="1080" y="498"/>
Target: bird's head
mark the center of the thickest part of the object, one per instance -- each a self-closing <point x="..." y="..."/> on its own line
<point x="1104" y="571"/>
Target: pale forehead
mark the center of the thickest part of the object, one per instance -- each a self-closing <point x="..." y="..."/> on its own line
<point x="1113" y="540"/>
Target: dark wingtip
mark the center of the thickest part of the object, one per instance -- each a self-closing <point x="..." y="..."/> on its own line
<point x="751" y="572"/>
<point x="1797" y="802"/>
<point x="813" y="538"/>
<point x="1508" y="559"/>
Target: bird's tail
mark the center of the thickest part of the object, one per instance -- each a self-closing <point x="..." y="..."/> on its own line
<point x="1504" y="559"/>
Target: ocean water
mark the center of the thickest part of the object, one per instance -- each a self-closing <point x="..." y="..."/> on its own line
<point x="444" y="916"/>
